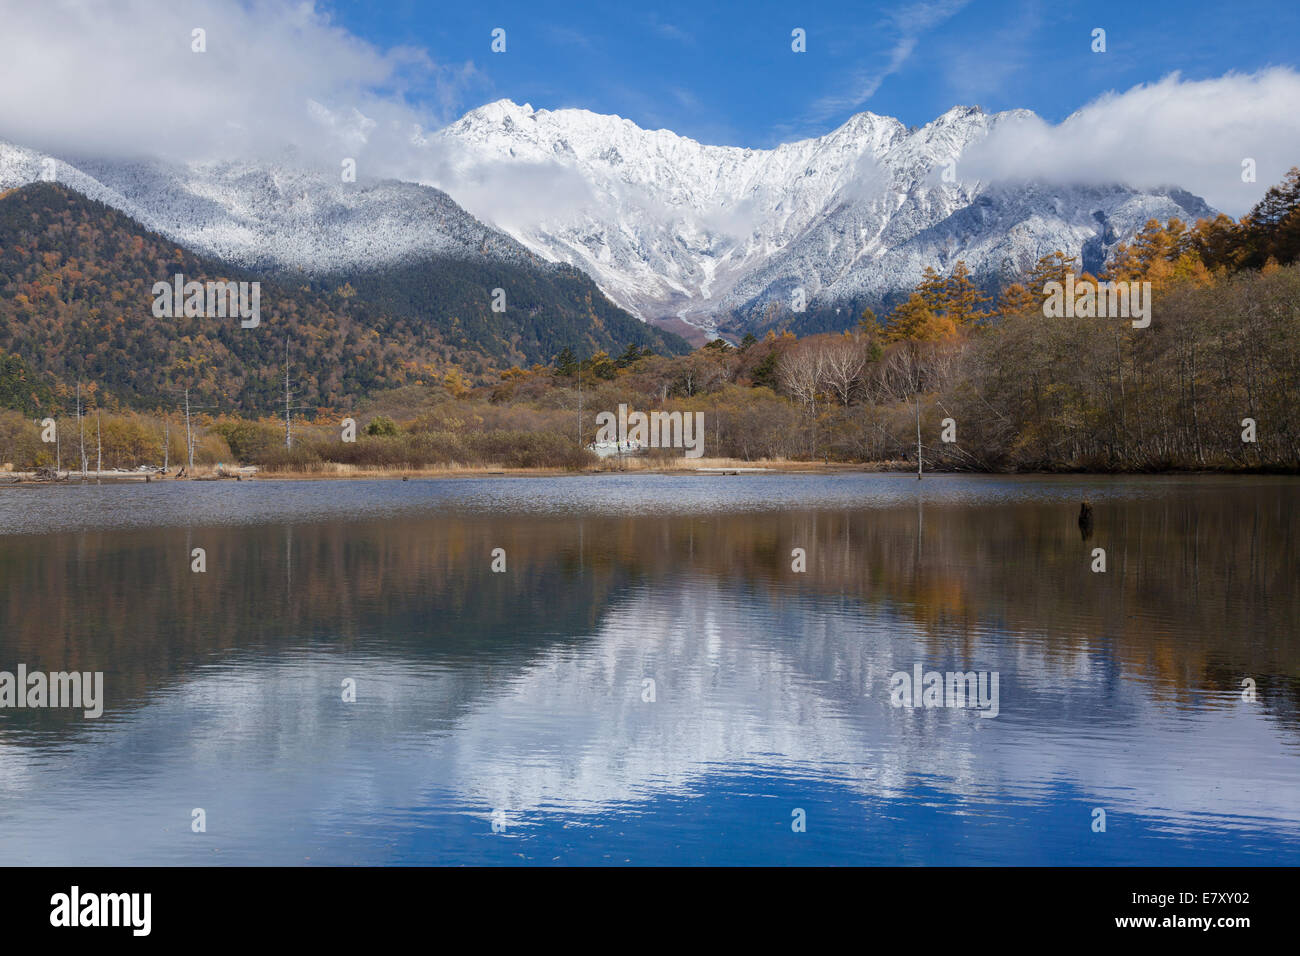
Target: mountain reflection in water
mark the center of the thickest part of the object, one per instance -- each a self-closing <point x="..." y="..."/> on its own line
<point x="524" y="694"/>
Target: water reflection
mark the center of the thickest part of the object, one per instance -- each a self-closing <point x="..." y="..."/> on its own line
<point x="525" y="692"/>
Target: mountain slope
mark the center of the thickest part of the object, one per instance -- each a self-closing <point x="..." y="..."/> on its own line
<point x="275" y="216"/>
<point x="382" y="236"/>
<point x="717" y="236"/>
<point x="76" y="281"/>
<point x="663" y="223"/>
<point x="668" y="226"/>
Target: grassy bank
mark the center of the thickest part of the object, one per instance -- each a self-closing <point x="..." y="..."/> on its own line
<point x="327" y="471"/>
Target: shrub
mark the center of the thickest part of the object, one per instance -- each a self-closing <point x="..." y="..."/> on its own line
<point x="382" y="427"/>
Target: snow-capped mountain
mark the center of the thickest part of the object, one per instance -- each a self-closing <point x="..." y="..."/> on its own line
<point x="668" y="226"/>
<point x="273" y="216"/>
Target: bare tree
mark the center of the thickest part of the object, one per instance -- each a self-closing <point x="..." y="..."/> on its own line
<point x="844" y="360"/>
<point x="81" y="431"/>
<point x="800" y="371"/>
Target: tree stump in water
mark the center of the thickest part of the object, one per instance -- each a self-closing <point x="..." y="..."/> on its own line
<point x="1085" y="520"/>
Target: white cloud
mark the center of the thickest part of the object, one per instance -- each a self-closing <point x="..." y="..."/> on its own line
<point x="514" y="196"/>
<point x="120" y="78"/>
<point x="1191" y="134"/>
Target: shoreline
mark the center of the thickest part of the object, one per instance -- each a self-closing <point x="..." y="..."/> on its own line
<point x="707" y="468"/>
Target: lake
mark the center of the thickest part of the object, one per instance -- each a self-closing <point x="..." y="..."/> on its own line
<point x="649" y="680"/>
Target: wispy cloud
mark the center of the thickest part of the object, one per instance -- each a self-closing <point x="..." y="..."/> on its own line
<point x="669" y="31"/>
<point x="979" y="71"/>
<point x="905" y="27"/>
<point x="685" y="97"/>
<point x="567" y="36"/>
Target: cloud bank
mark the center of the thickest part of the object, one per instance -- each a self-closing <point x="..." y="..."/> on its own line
<point x="1190" y="134"/>
<point x="122" y="78"/>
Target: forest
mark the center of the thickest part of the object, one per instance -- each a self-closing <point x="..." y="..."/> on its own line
<point x="76" y="305"/>
<point x="985" y="379"/>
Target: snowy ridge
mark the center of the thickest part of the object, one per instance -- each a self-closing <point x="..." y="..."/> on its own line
<point x="274" y="216"/>
<point x="666" y="226"/>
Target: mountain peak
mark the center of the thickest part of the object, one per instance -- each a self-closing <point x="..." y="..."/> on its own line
<point x="666" y="226"/>
<point x="498" y="112"/>
<point x="670" y="227"/>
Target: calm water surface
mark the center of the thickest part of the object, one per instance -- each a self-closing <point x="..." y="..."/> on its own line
<point x="518" y="698"/>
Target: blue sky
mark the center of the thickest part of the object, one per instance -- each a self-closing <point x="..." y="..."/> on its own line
<point x="725" y="73"/>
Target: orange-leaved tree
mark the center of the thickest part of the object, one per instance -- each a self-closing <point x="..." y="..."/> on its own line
<point x="919" y="330"/>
